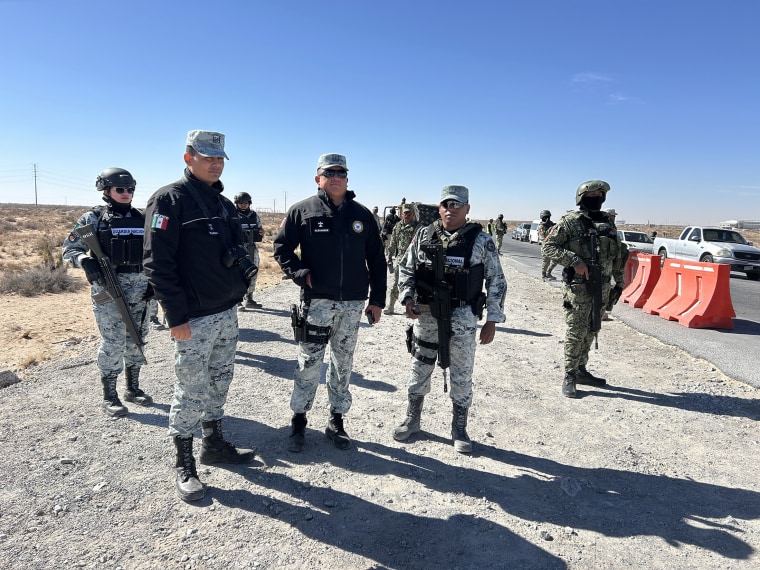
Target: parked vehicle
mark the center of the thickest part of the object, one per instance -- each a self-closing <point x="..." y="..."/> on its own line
<point x="636" y="241"/>
<point x="712" y="245"/>
<point x="521" y="231"/>
<point x="533" y="232"/>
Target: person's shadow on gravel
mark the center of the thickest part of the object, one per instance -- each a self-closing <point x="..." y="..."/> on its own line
<point x="693" y="402"/>
<point x="391" y="538"/>
<point x="611" y="502"/>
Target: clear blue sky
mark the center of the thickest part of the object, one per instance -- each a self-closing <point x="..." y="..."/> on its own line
<point x="519" y="101"/>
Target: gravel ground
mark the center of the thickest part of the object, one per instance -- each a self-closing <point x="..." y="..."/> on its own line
<point x="658" y="470"/>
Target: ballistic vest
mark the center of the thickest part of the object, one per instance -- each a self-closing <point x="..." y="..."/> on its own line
<point x="465" y="282"/>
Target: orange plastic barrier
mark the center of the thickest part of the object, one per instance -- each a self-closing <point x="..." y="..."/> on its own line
<point x="697" y="295"/>
<point x="642" y="271"/>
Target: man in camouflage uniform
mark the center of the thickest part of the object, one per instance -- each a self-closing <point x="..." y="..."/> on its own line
<point x="470" y="261"/>
<point x="400" y="239"/>
<point x="500" y="228"/>
<point x="119" y="227"/>
<point x="199" y="269"/>
<point x="253" y="231"/>
<point x="341" y="260"/>
<point x="569" y="245"/>
<point x="547" y="265"/>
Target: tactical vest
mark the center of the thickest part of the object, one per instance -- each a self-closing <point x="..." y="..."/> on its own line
<point x="465" y="282"/>
<point x="609" y="247"/>
<point x="122" y="241"/>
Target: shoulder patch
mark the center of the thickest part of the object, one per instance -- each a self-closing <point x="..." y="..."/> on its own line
<point x="490" y="246"/>
<point x="159" y="222"/>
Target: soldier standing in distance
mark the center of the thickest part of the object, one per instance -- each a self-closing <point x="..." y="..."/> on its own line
<point x="568" y="244"/>
<point x="119" y="227"/>
<point x="547" y="265"/>
<point x="253" y="231"/>
<point x="500" y="228"/>
<point x="389" y="223"/>
<point x="400" y="239"/>
<point x="341" y="260"/>
<point x="470" y="260"/>
<point x="199" y="269"/>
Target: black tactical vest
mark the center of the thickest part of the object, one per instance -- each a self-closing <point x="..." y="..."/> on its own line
<point x="465" y="281"/>
<point x="122" y="240"/>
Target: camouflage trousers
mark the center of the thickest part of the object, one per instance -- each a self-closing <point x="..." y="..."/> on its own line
<point x="547" y="265"/>
<point x="203" y="365"/>
<point x="499" y="239"/>
<point x="394" y="290"/>
<point x="343" y="317"/>
<point x="461" y="348"/>
<point x="117" y="349"/>
<point x="578" y="338"/>
<point x="253" y="253"/>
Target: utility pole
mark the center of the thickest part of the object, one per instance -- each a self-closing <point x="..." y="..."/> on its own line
<point x="35" y="184"/>
<point x="286" y="202"/>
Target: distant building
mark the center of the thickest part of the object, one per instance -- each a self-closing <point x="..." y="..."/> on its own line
<point x="740" y="224"/>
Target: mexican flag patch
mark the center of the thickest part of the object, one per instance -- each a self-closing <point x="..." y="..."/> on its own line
<point x="159" y="222"/>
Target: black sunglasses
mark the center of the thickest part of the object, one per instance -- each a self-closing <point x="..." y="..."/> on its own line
<point x="128" y="190"/>
<point x="334" y="173"/>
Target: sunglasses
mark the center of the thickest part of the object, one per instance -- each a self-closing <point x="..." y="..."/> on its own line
<point x="128" y="190"/>
<point x="452" y="205"/>
<point x="334" y="173"/>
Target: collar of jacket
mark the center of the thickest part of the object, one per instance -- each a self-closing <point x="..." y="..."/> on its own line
<point x="215" y="189"/>
<point x="350" y="195"/>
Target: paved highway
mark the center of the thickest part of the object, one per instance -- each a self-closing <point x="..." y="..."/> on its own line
<point x="728" y="350"/>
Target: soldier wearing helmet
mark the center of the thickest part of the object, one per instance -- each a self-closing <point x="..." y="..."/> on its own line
<point x="253" y="230"/>
<point x="569" y="244"/>
<point x="119" y="228"/>
<point x="500" y="228"/>
<point x="544" y="227"/>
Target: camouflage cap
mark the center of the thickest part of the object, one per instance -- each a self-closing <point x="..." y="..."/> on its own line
<point x="611" y="212"/>
<point x="459" y="193"/>
<point x="207" y="143"/>
<point x="330" y="160"/>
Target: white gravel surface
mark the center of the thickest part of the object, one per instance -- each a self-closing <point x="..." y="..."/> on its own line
<point x="658" y="470"/>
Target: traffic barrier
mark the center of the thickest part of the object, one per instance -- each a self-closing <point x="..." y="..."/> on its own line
<point x="697" y="295"/>
<point x="642" y="271"/>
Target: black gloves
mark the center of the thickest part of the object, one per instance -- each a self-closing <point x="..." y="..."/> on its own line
<point x="91" y="269"/>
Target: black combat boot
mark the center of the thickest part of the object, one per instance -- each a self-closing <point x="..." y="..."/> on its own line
<point x="215" y="449"/>
<point x="133" y="393"/>
<point x="335" y="431"/>
<point x="583" y="376"/>
<point x="111" y="403"/>
<point x="462" y="442"/>
<point x="189" y="487"/>
<point x="568" y="384"/>
<point x="297" y="432"/>
<point x="412" y="422"/>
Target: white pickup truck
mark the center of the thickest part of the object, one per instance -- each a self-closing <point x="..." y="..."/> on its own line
<point x="712" y="245"/>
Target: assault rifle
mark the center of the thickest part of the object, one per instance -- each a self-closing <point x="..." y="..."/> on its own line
<point x="594" y="285"/>
<point x="113" y="291"/>
<point x="440" y="306"/>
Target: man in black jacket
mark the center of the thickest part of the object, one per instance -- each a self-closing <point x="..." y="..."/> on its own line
<point x="199" y="269"/>
<point x="341" y="260"/>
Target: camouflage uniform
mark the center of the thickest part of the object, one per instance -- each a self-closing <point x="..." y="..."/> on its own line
<point x="342" y="317"/>
<point x="117" y="349"/>
<point x="204" y="367"/>
<point x="565" y="245"/>
<point x="547" y="265"/>
<point x="250" y="222"/>
<point x="501" y="228"/>
<point x="400" y="239"/>
<point x="463" y="321"/>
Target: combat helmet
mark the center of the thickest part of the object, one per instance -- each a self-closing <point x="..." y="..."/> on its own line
<point x="545" y="214"/>
<point x="114" y="177"/>
<point x="590" y="186"/>
<point x="242" y="198"/>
